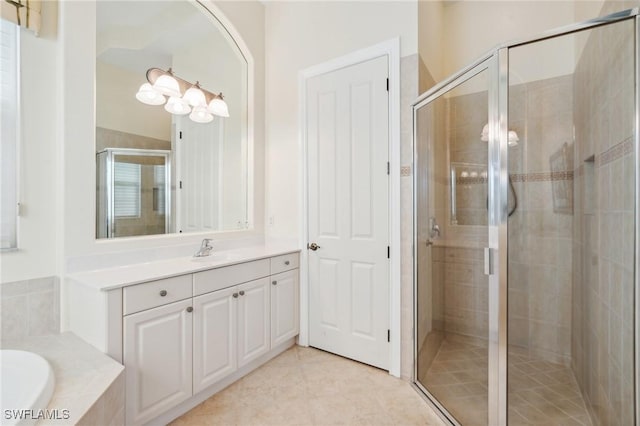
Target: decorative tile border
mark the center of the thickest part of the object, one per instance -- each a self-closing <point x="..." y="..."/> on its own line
<point x="615" y="152"/>
<point x="522" y="177"/>
<point x="612" y="154"/>
<point x="542" y="176"/>
<point x="405" y="171"/>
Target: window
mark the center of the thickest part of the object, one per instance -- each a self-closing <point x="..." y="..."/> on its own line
<point x="126" y="189"/>
<point x="9" y="133"/>
<point x="159" y="189"/>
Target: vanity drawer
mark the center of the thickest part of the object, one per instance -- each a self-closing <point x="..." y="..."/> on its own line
<point x="283" y="263"/>
<point x="219" y="278"/>
<point x="156" y="293"/>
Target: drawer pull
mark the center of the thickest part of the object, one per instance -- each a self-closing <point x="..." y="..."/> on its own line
<point x="274" y="282"/>
<point x="190" y="309"/>
<point x="286" y="262"/>
<point x="163" y="293"/>
<point x="241" y="292"/>
<point x="235" y="295"/>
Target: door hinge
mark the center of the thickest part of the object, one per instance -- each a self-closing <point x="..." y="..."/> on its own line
<point x="388" y="252"/>
<point x="180" y="135"/>
<point x="387" y="84"/>
<point x="180" y="184"/>
<point x="388" y="168"/>
<point x="388" y="335"/>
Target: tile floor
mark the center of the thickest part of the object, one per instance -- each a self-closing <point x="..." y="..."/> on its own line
<point x="305" y="386"/>
<point x="540" y="392"/>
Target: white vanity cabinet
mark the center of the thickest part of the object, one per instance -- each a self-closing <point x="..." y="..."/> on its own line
<point x="231" y="329"/>
<point x="285" y="306"/>
<point x="183" y="336"/>
<point x="157" y="360"/>
<point x="253" y="320"/>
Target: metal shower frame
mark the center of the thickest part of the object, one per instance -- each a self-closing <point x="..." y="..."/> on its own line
<point x="496" y="61"/>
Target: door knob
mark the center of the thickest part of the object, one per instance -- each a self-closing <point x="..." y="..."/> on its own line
<point x="163" y="293"/>
<point x="190" y="309"/>
<point x="241" y="292"/>
<point x="235" y="295"/>
<point x="313" y="246"/>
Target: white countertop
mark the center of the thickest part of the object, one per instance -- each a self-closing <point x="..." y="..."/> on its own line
<point x="111" y="278"/>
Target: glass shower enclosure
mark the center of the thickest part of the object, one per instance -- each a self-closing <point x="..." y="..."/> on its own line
<point x="526" y="208"/>
<point x="133" y="194"/>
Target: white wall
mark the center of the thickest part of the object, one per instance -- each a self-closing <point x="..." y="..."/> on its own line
<point x="300" y="35"/>
<point x="37" y="233"/>
<point x="119" y="110"/>
<point x="430" y="35"/>
<point x="474" y="27"/>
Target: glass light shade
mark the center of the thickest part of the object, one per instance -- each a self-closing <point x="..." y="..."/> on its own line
<point x="484" y="136"/>
<point x="177" y="106"/>
<point x="195" y="97"/>
<point x="201" y="115"/>
<point x="167" y="85"/>
<point x="147" y="95"/>
<point x="218" y="107"/>
<point x="513" y="138"/>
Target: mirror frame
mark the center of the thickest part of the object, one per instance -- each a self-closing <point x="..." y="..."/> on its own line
<point x="215" y="15"/>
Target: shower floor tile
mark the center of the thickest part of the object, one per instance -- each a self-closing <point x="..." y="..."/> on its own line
<point x="540" y="392"/>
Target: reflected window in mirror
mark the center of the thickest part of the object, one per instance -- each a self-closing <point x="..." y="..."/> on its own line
<point x="184" y="141"/>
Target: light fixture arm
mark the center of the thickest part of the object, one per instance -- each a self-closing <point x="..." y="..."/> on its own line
<point x="154" y="73"/>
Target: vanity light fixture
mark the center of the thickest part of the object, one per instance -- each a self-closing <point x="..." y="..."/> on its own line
<point x="513" y="136"/>
<point x="184" y="97"/>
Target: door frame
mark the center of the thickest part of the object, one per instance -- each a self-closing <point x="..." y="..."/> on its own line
<point x="391" y="49"/>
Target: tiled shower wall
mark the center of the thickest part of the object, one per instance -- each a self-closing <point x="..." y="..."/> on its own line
<point x="603" y="235"/>
<point x="540" y="237"/>
<point x="30" y="308"/>
<point x="541" y="112"/>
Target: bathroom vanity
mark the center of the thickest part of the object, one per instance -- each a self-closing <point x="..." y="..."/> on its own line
<point x="186" y="328"/>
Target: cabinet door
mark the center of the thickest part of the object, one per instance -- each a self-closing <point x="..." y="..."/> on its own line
<point x="157" y="360"/>
<point x="214" y="337"/>
<point x="253" y="320"/>
<point x="285" y="322"/>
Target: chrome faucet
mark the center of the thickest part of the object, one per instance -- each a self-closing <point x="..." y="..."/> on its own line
<point x="205" y="248"/>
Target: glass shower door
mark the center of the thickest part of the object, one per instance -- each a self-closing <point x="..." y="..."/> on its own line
<point x="452" y="226"/>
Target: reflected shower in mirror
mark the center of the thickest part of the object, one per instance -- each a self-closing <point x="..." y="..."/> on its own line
<point x="162" y="68"/>
<point x="468" y="198"/>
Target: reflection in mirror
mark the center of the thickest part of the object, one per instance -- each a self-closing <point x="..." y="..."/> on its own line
<point x="161" y="170"/>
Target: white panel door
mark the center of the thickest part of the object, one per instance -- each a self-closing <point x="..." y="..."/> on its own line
<point x="253" y="320"/>
<point x="214" y="337"/>
<point x="199" y="175"/>
<point x="348" y="145"/>
<point x="157" y="360"/>
<point x="285" y="306"/>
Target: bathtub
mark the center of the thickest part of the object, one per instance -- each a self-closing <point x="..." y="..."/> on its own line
<point x="26" y="387"/>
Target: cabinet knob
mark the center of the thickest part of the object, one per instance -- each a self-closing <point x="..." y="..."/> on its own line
<point x="235" y="295"/>
<point x="190" y="309"/>
<point x="163" y="293"/>
<point x="241" y="292"/>
<point x="274" y="282"/>
<point x="286" y="262"/>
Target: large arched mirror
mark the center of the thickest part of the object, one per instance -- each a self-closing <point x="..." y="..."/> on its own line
<point x="168" y="160"/>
